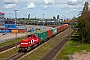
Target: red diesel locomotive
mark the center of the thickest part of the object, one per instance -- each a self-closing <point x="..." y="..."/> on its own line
<point x="27" y="43"/>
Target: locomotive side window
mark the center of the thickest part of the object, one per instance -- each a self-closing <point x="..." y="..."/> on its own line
<point x="36" y="35"/>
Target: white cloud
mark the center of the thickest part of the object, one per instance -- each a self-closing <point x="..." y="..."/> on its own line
<point x="37" y="15"/>
<point x="17" y="1"/>
<point x="45" y="7"/>
<point x="24" y="8"/>
<point x="39" y="10"/>
<point x="48" y="2"/>
<point x="31" y="5"/>
<point x="45" y="3"/>
<point x="10" y="1"/>
<point x="67" y="11"/>
<point x="74" y="2"/>
<point x="7" y="6"/>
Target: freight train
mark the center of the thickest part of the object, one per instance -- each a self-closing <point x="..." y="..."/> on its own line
<point x="39" y="37"/>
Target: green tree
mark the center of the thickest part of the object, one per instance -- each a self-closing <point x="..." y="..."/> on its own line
<point x="84" y="24"/>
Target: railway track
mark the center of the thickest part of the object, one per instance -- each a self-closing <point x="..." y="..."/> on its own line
<point x="16" y="56"/>
<point x="50" y="55"/>
<point x="8" y="47"/>
<point x="19" y="54"/>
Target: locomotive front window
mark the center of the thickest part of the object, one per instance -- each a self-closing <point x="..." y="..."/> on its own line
<point x="32" y="41"/>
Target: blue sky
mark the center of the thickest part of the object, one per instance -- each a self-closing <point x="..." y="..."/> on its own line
<point x="64" y="8"/>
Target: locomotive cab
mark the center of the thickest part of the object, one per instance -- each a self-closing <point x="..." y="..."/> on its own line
<point x="29" y="42"/>
<point x="24" y="44"/>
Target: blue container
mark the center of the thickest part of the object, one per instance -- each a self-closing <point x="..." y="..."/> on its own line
<point x="10" y="30"/>
<point x="9" y="26"/>
<point x="2" y="31"/>
<point x="32" y="30"/>
<point x="7" y="31"/>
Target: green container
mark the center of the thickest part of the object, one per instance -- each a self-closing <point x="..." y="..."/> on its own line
<point x="42" y="35"/>
<point x="54" y="30"/>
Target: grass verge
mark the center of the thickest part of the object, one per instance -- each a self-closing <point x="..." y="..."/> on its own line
<point x="10" y="42"/>
<point x="6" y="55"/>
<point x="71" y="47"/>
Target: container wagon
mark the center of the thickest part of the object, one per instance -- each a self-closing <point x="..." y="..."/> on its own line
<point x="40" y="37"/>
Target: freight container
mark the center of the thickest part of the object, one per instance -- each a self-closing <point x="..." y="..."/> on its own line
<point x="8" y="31"/>
<point x="28" y="29"/>
<point x="54" y="30"/>
<point x="14" y="31"/>
<point x="63" y="27"/>
<point x="9" y="26"/>
<point x="50" y="32"/>
<point x="5" y="31"/>
<point x="59" y="29"/>
<point x="31" y="30"/>
<point x="2" y="31"/>
<point x="66" y="25"/>
<point x="21" y="30"/>
<point x="42" y="35"/>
